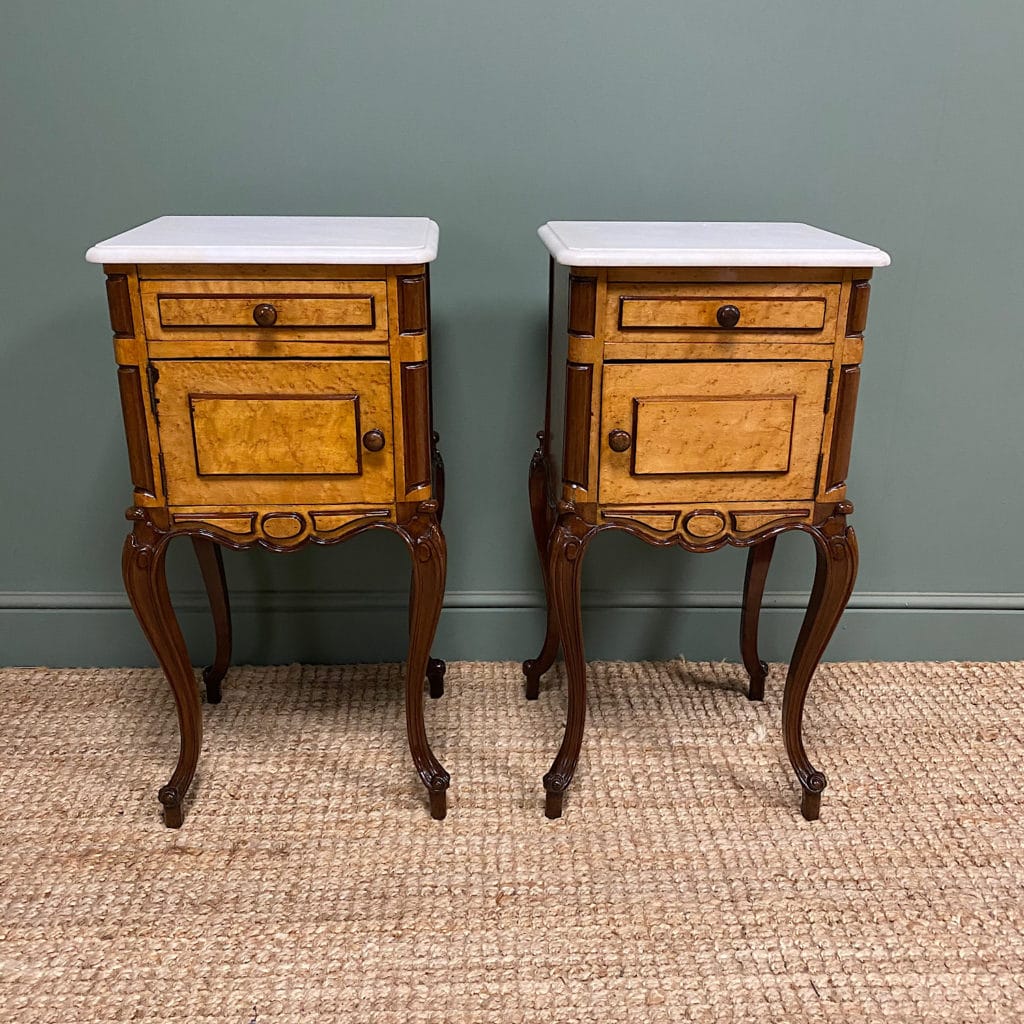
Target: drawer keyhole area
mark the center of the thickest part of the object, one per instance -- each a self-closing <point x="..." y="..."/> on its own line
<point x="728" y="316"/>
<point x="265" y="315"/>
<point x="619" y="441"/>
<point x="373" y="440"/>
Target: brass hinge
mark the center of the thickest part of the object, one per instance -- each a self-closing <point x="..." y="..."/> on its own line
<point x="817" y="472"/>
<point x="828" y="388"/>
<point x="163" y="474"/>
<point x="152" y="376"/>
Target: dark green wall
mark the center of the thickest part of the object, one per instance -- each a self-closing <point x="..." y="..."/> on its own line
<point x="898" y="124"/>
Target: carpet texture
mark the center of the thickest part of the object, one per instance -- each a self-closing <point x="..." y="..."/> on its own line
<point x="309" y="883"/>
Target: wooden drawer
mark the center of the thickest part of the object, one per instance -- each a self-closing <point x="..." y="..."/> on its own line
<point x="244" y="432"/>
<point x="178" y="310"/>
<point x="707" y="431"/>
<point x="714" y="313"/>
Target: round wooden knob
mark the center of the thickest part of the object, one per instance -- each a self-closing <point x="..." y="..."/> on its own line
<point x="727" y="316"/>
<point x="373" y="440"/>
<point x="265" y="315"/>
<point x="619" y="441"/>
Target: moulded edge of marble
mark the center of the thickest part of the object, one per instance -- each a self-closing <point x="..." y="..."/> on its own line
<point x="860" y="254"/>
<point x="169" y="243"/>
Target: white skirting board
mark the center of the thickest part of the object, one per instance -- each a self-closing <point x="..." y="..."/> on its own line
<point x="98" y="629"/>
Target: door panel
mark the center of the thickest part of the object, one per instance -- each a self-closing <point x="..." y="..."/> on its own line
<point x="239" y="431"/>
<point x="711" y="431"/>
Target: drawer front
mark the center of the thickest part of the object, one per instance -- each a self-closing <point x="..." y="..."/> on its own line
<point x="265" y="310"/>
<point x="723" y="312"/>
<point x="684" y="432"/>
<point x="237" y="432"/>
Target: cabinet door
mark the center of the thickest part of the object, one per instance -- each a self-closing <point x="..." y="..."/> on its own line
<point x="706" y="431"/>
<point x="264" y="431"/>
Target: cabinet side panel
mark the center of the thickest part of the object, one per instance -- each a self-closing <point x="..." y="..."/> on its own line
<point x="557" y="355"/>
<point x="137" y="405"/>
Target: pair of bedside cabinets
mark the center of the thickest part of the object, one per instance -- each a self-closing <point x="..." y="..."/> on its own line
<point x="275" y="381"/>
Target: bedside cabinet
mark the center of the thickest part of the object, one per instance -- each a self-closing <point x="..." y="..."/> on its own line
<point x="702" y="382"/>
<point x="274" y="375"/>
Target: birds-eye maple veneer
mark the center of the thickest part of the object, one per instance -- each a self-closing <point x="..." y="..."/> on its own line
<point x="702" y="381"/>
<point x="275" y="383"/>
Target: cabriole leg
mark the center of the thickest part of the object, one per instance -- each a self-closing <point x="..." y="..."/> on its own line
<point x="759" y="558"/>
<point x="211" y="563"/>
<point x="565" y="567"/>
<point x="145" y="579"/>
<point x="834" y="576"/>
<point x="426" y="543"/>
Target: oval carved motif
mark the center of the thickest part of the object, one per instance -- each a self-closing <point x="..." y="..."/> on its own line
<point x="283" y="525"/>
<point x="704" y="524"/>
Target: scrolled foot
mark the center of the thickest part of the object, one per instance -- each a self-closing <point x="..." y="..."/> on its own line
<point x="810" y="797"/>
<point x="436" y="669"/>
<point x="437" y="789"/>
<point x="756" y="689"/>
<point x="174" y="816"/>
<point x="212" y="679"/>
<point x="555" y="785"/>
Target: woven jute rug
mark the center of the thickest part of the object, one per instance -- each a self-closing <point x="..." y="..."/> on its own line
<point x="309" y="883"/>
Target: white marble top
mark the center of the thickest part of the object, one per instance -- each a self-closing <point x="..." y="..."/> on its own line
<point x="335" y="240"/>
<point x="595" y="243"/>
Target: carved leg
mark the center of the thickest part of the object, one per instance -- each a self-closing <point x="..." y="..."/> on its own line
<point x="759" y="558"/>
<point x="436" y="668"/>
<point x="145" y="580"/>
<point x="565" y="563"/>
<point x="426" y="543"/>
<point x="834" y="577"/>
<point x="211" y="562"/>
<point x="534" y="668"/>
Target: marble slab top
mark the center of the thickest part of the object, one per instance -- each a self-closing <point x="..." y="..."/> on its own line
<point x="333" y="240"/>
<point x="595" y="243"/>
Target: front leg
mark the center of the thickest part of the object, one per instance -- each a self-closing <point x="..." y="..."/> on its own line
<point x="145" y="579"/>
<point x="211" y="563"/>
<point x="836" y="571"/>
<point x="565" y="568"/>
<point x="759" y="558"/>
<point x="426" y="544"/>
